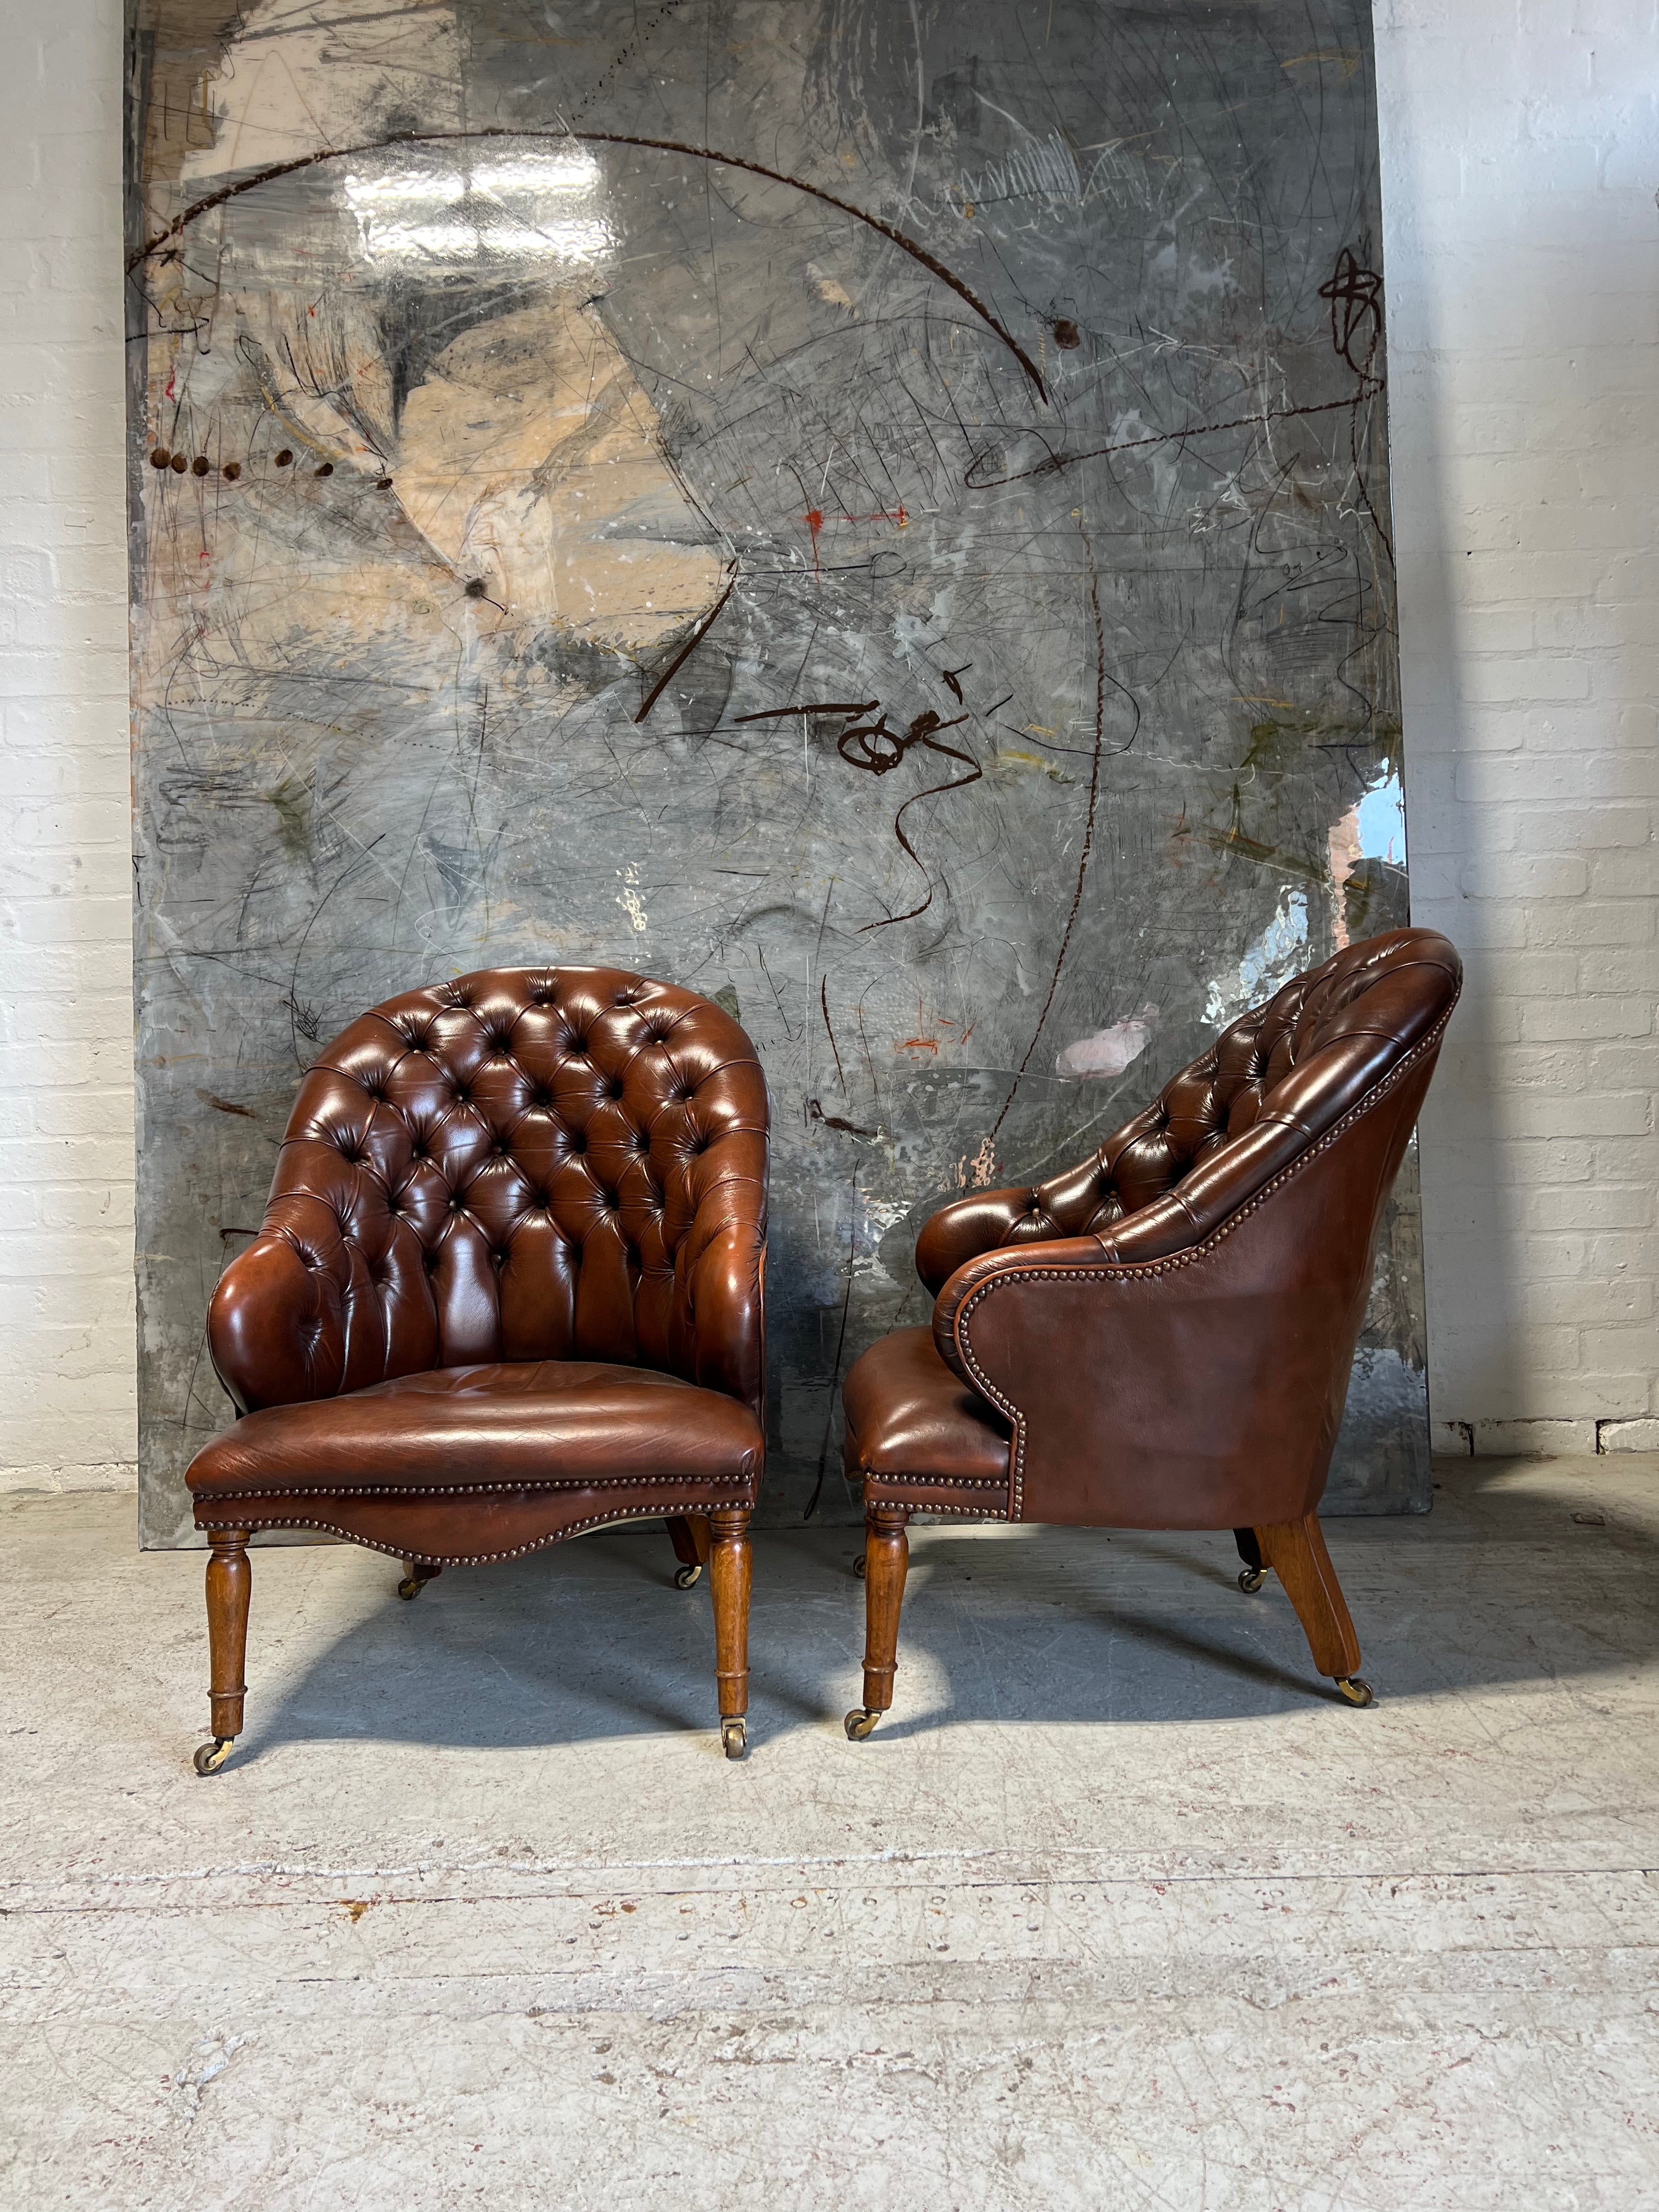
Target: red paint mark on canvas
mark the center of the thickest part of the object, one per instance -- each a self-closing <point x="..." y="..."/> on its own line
<point x="814" y="518"/>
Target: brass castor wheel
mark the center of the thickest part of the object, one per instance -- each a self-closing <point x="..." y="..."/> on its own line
<point x="416" y="1579"/>
<point x="685" y="1577"/>
<point x="857" y="1566"/>
<point x="210" y="1757"/>
<point x="860" y="1722"/>
<point x="1251" y="1579"/>
<point x="1355" y="1691"/>
<point x="734" y="1738"/>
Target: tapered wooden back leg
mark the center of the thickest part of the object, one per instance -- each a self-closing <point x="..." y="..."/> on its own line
<point x="688" y="1534"/>
<point x="886" y="1561"/>
<point x="229" y="1586"/>
<point x="1296" y="1551"/>
<point x="1253" y="1572"/>
<point x="729" y="1570"/>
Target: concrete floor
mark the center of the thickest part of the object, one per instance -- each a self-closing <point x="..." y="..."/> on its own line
<point x="1120" y="1908"/>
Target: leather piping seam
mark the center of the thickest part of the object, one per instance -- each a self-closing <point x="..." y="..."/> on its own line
<point x="945" y="1481"/>
<point x="920" y="1505"/>
<point x="481" y="1558"/>
<point x="1110" y="1270"/>
<point x="463" y="1489"/>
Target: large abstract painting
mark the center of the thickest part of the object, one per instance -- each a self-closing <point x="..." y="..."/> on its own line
<point x="874" y="510"/>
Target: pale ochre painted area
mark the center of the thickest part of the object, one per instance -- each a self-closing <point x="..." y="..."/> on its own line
<point x="529" y="460"/>
<point x="295" y="80"/>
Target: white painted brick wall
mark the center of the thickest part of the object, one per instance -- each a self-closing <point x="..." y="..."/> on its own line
<point x="67" y="1415"/>
<point x="1521" y="150"/>
<point x="1521" y="161"/>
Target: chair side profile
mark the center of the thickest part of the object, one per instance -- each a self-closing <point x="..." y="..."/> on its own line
<point x="1161" y="1337"/>
<point x="509" y="1287"/>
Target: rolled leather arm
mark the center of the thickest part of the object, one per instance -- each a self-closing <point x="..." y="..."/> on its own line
<point x="275" y="1328"/>
<point x="981" y="1222"/>
<point x="989" y="1267"/>
<point x="728" y="1333"/>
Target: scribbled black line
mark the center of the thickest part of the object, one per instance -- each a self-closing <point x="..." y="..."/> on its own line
<point x="816" y="707"/>
<point x="1056" y="462"/>
<point x="879" y="748"/>
<point x="951" y="675"/>
<point x="840" y="1345"/>
<point x="686" y="650"/>
<point x="869" y="1063"/>
<point x="1355" y="294"/>
<point x="905" y="243"/>
<point x="226" y="1105"/>
<point x="626" y="53"/>
<point x="334" y="24"/>
<point x="815" y="1112"/>
<point x="777" y="994"/>
<point x="295" y="1020"/>
<point x="823" y="1001"/>
<point x="1089" y="821"/>
<point x="958" y="783"/>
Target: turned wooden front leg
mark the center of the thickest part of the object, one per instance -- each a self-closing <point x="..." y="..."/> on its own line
<point x="729" y="1570"/>
<point x="229" y="1586"/>
<point x="886" y="1559"/>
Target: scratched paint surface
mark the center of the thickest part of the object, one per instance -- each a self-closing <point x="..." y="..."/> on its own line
<point x="874" y="510"/>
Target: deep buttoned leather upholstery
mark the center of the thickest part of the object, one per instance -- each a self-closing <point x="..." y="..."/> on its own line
<point x="1163" y="1335"/>
<point x="509" y="1279"/>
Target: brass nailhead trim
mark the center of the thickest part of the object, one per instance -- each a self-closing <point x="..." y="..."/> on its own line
<point x="918" y="1506"/>
<point x="945" y="1481"/>
<point x="485" y="1558"/>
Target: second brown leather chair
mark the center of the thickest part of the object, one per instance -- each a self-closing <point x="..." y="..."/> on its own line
<point x="508" y="1288"/>
<point x="1161" y="1337"/>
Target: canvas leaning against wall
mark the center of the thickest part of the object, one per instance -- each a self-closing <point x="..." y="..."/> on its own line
<point x="876" y="510"/>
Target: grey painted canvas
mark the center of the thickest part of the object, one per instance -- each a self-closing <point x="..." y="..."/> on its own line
<point x="874" y="510"/>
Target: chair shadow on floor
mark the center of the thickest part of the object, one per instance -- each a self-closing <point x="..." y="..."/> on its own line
<point x="590" y="1640"/>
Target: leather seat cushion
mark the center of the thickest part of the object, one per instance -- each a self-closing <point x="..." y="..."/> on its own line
<point x="540" y="1423"/>
<point x="918" y="1434"/>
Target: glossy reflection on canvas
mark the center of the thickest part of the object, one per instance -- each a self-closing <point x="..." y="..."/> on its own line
<point x="876" y="512"/>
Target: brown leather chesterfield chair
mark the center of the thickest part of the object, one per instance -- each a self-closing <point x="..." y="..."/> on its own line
<point x="509" y="1287"/>
<point x="1161" y="1337"/>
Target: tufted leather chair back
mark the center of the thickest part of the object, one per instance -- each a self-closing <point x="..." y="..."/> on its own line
<point x="1274" y="1081"/>
<point x="521" y="1165"/>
